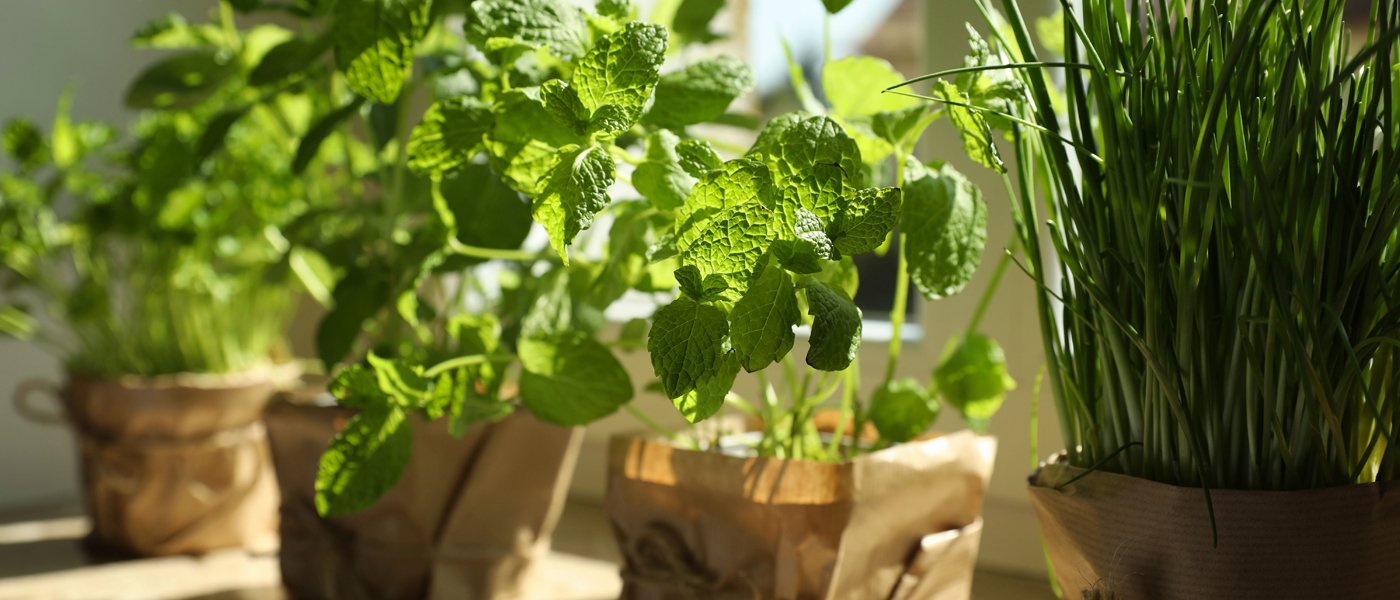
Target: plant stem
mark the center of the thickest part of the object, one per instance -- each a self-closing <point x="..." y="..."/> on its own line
<point x="656" y="427"/>
<point x="901" y="290"/>
<point x="991" y="290"/>
<point x="465" y="361"/>
<point x="229" y="27"/>
<point x="490" y="253"/>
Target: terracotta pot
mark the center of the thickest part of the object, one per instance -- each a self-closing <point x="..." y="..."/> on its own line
<point x="1115" y="536"/>
<point x="901" y="523"/>
<point x="174" y="464"/>
<point x="467" y="521"/>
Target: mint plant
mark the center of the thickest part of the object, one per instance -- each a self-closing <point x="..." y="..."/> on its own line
<point x="542" y="112"/>
<point x="167" y="249"/>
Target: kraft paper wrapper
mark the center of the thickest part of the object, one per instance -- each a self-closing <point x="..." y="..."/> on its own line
<point x="706" y="525"/>
<point x="177" y="464"/>
<point x="1145" y="540"/>
<point x="467" y="520"/>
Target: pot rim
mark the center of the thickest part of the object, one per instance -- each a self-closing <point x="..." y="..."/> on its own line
<point x="275" y="373"/>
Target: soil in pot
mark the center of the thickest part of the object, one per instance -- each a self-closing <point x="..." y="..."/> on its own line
<point x="1130" y="538"/>
<point x="467" y="521"/>
<point x="899" y="523"/>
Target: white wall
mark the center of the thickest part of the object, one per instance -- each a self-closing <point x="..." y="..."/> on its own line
<point x="45" y="45"/>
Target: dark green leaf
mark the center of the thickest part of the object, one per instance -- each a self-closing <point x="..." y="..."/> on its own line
<point x="383" y="123"/>
<point x="836" y="327"/>
<point x="707" y="289"/>
<point x="835" y="6"/>
<point x="701" y="92"/>
<point x="760" y="324"/>
<point x="561" y="100"/>
<point x="216" y="131"/>
<point x="555" y="24"/>
<point x="974" y="379"/>
<point x="616" y="9"/>
<point x="945" y="226"/>
<point x="633" y="332"/>
<point x="574" y="191"/>
<point x="487" y="213"/>
<point x="571" y="379"/>
<point x="374" y="42"/>
<point x="292" y="57"/>
<point x="902" y="409"/>
<point x="449" y="135"/>
<point x="692" y="21"/>
<point x="708" y="396"/>
<point x="660" y="177"/>
<point x="24" y="143"/>
<point x="358" y="297"/>
<point x="364" y="461"/>
<point x="686" y="341"/>
<point x="179" y="82"/>
<point x="867" y="220"/>
<point x="311" y="144"/>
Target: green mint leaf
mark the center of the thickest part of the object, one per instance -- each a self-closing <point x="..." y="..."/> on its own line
<point x="836" y="327"/>
<point x="854" y="86"/>
<point x="449" y="135"/>
<point x="357" y="386"/>
<point x="730" y="245"/>
<point x="761" y="322"/>
<point x="216" y="132"/>
<point x="663" y="249"/>
<point x="815" y="164"/>
<point x="358" y="296"/>
<point x="571" y="379"/>
<point x="555" y="24"/>
<point x="797" y="256"/>
<point x="835" y="6"/>
<point x="524" y="141"/>
<point x="698" y="157"/>
<point x="364" y="461"/>
<point x="486" y="212"/>
<point x="945" y="227"/>
<point x="899" y="126"/>
<point x="767" y="142"/>
<point x="310" y="144"/>
<point x="902" y="409"/>
<point x="400" y="380"/>
<point x="444" y="391"/>
<point x="978" y="142"/>
<point x="179" y="82"/>
<point x="374" y="42"/>
<point x="615" y="9"/>
<point x="867" y="220"/>
<point x="737" y="182"/>
<point x="660" y="178"/>
<point x="706" y="289"/>
<point x="573" y="192"/>
<point x="692" y="21"/>
<point x="633" y="332"/>
<point x="974" y="379"/>
<point x="621" y="70"/>
<point x="701" y="92"/>
<point x="811" y="235"/>
<point x="469" y="407"/>
<point x="708" y="396"/>
<point x="172" y="31"/>
<point x="290" y="58"/>
<point x="686" y="341"/>
<point x="562" y="101"/>
<point x="841" y="274"/>
<point x="23" y="142"/>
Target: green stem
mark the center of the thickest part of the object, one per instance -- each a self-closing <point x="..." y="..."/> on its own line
<point x="465" y="361"/>
<point x="901" y="290"/>
<point x="991" y="290"/>
<point x="490" y="253"/>
<point x="230" y="29"/>
<point x="656" y="427"/>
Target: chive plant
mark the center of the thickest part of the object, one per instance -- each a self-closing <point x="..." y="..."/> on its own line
<point x="1220" y="183"/>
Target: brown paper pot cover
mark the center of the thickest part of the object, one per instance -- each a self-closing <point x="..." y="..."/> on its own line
<point x="901" y="523"/>
<point x="1144" y="540"/>
<point x="466" y="522"/>
<point x="177" y="464"/>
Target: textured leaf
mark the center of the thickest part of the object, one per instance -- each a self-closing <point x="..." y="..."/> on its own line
<point x="179" y="82"/>
<point x="692" y="21"/>
<point x="686" y="341"/>
<point x="364" y="461"/>
<point x="358" y="296"/>
<point x="974" y="379"/>
<point x="899" y="127"/>
<point x="400" y="380"/>
<point x="730" y="245"/>
<point x="357" y="386"/>
<point x="767" y="142"/>
<point x="977" y="137"/>
<point x="614" y="9"/>
<point x="571" y="379"/>
<point x="698" y="157"/>
<point x="561" y="100"/>
<point x="574" y="191"/>
<point x="310" y="144"/>
<point x="945" y="224"/>
<point x="292" y="57"/>
<point x="902" y="409"/>
<point x="867" y="220"/>
<point x="374" y="42"/>
<point x="811" y="236"/>
<point x="836" y="327"/>
<point x="660" y="177"/>
<point x="854" y="86"/>
<point x="524" y="140"/>
<point x="449" y="135"/>
<point x="760" y="324"/>
<point x="738" y="182"/>
<point x="701" y="92"/>
<point x="841" y="274"/>
<point x="554" y="24"/>
<point x="708" y="396"/>
<point x="706" y="289"/>
<point x="621" y="70"/>
<point x="816" y="165"/>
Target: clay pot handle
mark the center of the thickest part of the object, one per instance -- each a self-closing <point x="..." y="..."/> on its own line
<point x="27" y="410"/>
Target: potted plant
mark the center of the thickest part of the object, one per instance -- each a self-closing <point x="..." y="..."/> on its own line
<point x="1219" y="181"/>
<point x="157" y="268"/>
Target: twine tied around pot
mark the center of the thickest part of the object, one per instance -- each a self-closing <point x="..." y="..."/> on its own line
<point x="659" y="556"/>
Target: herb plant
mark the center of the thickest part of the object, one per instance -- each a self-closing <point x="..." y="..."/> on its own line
<point x="165" y="252"/>
<point x="545" y="113"/>
<point x="1221" y="187"/>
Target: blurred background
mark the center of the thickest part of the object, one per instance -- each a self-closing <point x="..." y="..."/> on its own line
<point x="46" y="45"/>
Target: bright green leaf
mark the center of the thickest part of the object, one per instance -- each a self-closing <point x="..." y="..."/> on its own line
<point x="902" y="409"/>
<point x="761" y="322"/>
<point x="449" y="135"/>
<point x="708" y="396"/>
<point x="867" y="220"/>
<point x="945" y="227"/>
<point x="524" y="141"/>
<point x="571" y="379"/>
<point x="698" y="157"/>
<point x="978" y="141"/>
<point x="374" y="42"/>
<point x="854" y="86"/>
<point x="364" y="461"/>
<point x="179" y="82"/>
<point x="555" y="24"/>
<point x="816" y="164"/>
<point x="574" y="191"/>
<point x="622" y="70"/>
<point x="400" y="380"/>
<point x="974" y="379"/>
<point x="701" y="92"/>
<point x="562" y="101"/>
<point x="310" y="144"/>
<point x="660" y="177"/>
